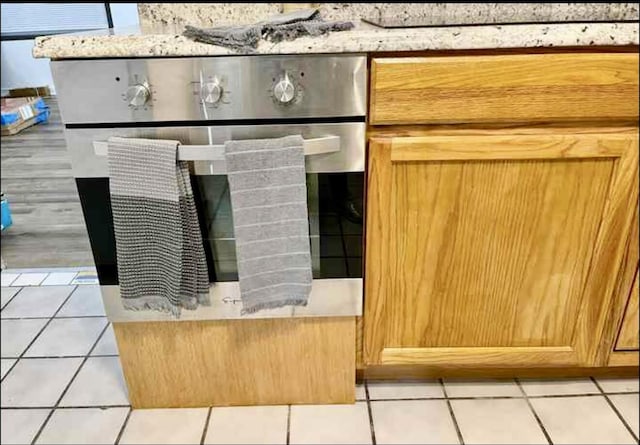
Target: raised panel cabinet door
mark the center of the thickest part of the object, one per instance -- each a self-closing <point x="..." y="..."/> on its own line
<point x="497" y="248"/>
<point x="629" y="330"/>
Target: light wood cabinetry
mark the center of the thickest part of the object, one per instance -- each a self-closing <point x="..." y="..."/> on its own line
<point x="628" y="337"/>
<point x="504" y="88"/>
<point x="626" y="346"/>
<point x="238" y="362"/>
<point x="507" y="241"/>
<point x="496" y="248"/>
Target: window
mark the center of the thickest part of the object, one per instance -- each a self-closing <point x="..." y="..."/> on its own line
<point x="50" y="18"/>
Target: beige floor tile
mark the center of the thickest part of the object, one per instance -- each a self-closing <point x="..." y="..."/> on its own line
<point x="83" y="426"/>
<point x="413" y="422"/>
<point x="584" y="420"/>
<point x="229" y="425"/>
<point x="99" y="383"/>
<point x="628" y="406"/>
<point x="59" y="278"/>
<point x="7" y="294"/>
<point x="361" y="393"/>
<point x="37" y="301"/>
<point x="85" y="301"/>
<point x="497" y="421"/>
<point x="330" y="424"/>
<point x="19" y="426"/>
<point x="17" y="334"/>
<point x="619" y="385"/>
<point x="405" y="390"/>
<point x="107" y="344"/>
<point x="30" y="279"/>
<point x="37" y="382"/>
<point x="66" y="337"/>
<point x="482" y="388"/>
<point x="8" y="278"/>
<point x="5" y="365"/>
<point x="166" y="426"/>
<point x="563" y="387"/>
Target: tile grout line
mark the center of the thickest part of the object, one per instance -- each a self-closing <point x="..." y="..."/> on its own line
<point x="38" y="334"/>
<point x="371" y="425"/>
<point x="451" y="413"/>
<point x="615" y="410"/>
<point x="288" y="437"/>
<point x="362" y="400"/>
<point x="11" y="282"/>
<point x="206" y="426"/>
<point x="12" y="358"/>
<point x="68" y="284"/>
<point x="62" y="317"/>
<point x="32" y="357"/>
<point x="533" y="411"/>
<point x="73" y="378"/>
<point x="27" y="408"/>
<point x="546" y="396"/>
<point x="124" y="425"/>
<point x="57" y="269"/>
<point x="11" y="299"/>
<point x="31" y="285"/>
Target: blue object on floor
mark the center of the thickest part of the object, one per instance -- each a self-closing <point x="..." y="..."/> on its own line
<point x="6" y="214"/>
<point x="41" y="111"/>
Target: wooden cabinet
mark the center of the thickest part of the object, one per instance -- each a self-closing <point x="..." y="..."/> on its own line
<point x="623" y="331"/>
<point x="628" y="336"/>
<point x="495" y="248"/>
<point x="504" y="88"/>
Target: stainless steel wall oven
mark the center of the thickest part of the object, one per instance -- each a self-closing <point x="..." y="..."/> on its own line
<point x="203" y="102"/>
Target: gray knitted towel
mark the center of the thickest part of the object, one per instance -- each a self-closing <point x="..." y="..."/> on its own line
<point x="161" y="261"/>
<point x="267" y="182"/>
<point x="289" y="26"/>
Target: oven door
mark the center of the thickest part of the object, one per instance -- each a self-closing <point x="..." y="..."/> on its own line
<point x="335" y="197"/>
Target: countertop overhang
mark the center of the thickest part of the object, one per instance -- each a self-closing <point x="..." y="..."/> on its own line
<point x="364" y="38"/>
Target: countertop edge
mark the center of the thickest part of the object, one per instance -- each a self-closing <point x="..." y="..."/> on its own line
<point x="360" y="40"/>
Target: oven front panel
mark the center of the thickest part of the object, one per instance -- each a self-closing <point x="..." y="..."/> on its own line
<point x="335" y="197"/>
<point x="209" y="88"/>
<point x="336" y="249"/>
<point x="335" y="205"/>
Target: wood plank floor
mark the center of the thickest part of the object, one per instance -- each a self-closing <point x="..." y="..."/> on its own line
<point x="48" y="227"/>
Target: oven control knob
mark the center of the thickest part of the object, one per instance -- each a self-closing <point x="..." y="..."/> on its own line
<point x="137" y="95"/>
<point x="284" y="90"/>
<point x="211" y="91"/>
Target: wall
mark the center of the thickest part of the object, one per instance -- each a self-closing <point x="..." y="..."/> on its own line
<point x="19" y="69"/>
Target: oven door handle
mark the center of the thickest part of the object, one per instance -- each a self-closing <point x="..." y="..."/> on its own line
<point x="315" y="146"/>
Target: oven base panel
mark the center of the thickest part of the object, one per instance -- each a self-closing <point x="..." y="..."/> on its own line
<point x="238" y="362"/>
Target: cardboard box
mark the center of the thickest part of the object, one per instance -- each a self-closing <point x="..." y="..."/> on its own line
<point x="30" y="92"/>
<point x="23" y="112"/>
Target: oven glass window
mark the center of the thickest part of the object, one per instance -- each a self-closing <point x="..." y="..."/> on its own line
<point x="335" y="204"/>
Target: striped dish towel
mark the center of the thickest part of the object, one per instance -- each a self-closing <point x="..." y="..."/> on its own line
<point x="267" y="182"/>
<point x="161" y="260"/>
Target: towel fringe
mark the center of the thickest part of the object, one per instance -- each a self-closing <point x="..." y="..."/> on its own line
<point x="160" y="304"/>
<point x="273" y="305"/>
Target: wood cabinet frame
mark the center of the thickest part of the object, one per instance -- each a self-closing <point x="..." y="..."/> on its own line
<point x="591" y="345"/>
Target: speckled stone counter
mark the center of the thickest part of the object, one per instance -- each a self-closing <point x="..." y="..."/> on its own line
<point x="166" y="42"/>
<point x="211" y="14"/>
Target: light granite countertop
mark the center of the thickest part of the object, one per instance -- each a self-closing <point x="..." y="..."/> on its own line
<point x="167" y="42"/>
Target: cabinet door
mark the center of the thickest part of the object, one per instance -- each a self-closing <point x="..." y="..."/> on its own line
<point x="495" y="249"/>
<point x="628" y="337"/>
